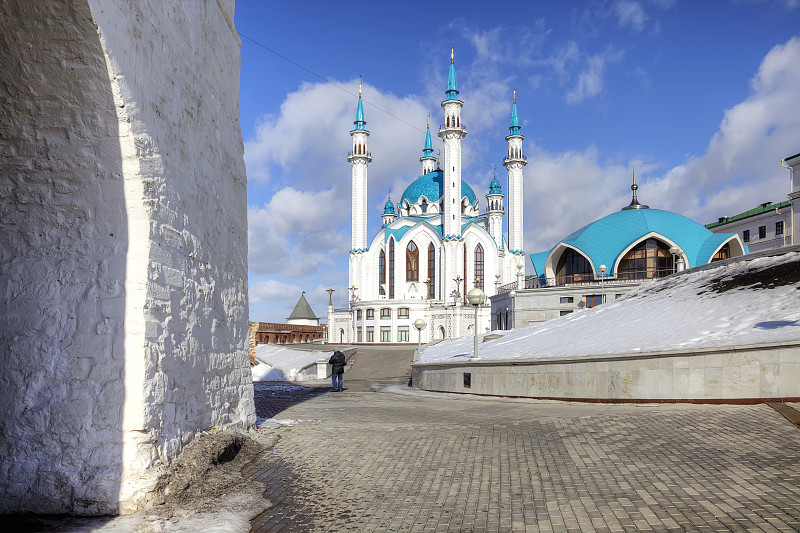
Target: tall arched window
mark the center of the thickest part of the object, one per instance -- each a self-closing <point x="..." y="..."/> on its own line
<point x="382" y="273"/>
<point x="648" y="259"/>
<point x="573" y="267"/>
<point x="412" y="262"/>
<point x="479" y="267"/>
<point x="391" y="268"/>
<point x="431" y="271"/>
<point x="424" y="205"/>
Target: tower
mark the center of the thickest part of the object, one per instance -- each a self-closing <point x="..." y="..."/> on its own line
<point x="359" y="158"/>
<point x="495" y="210"/>
<point x="427" y="159"/>
<point x="452" y="132"/>
<point x="514" y="162"/>
<point x="389" y="213"/>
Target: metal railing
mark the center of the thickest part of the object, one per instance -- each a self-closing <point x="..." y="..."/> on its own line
<point x="462" y="126"/>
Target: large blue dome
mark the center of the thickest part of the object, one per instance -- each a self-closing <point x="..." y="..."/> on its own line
<point x="431" y="186"/>
<point x="605" y="239"/>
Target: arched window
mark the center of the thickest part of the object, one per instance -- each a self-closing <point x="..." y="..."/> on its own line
<point x="382" y="273"/>
<point x="424" y="205"/>
<point x="431" y="271"/>
<point x="391" y="268"/>
<point x="412" y="262"/>
<point x="724" y="253"/>
<point x="572" y="268"/>
<point x="648" y="259"/>
<point x="479" y="267"/>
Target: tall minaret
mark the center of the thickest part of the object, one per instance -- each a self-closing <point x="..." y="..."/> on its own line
<point x="359" y="158"/>
<point x="514" y="163"/>
<point x="427" y="159"/>
<point x="495" y="211"/>
<point x="452" y="132"/>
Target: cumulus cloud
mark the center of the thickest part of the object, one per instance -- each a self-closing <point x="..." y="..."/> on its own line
<point x="630" y="14"/>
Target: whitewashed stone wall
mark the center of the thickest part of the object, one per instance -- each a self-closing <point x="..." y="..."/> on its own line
<point x="123" y="255"/>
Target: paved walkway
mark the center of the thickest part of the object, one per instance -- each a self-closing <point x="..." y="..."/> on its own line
<point x="375" y="461"/>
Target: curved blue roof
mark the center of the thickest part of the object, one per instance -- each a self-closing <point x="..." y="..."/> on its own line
<point x="494" y="187"/>
<point x="388" y="208"/>
<point x="431" y="186"/>
<point x="604" y="240"/>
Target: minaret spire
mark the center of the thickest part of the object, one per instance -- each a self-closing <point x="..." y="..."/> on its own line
<point x="359" y="158"/>
<point x="427" y="159"/>
<point x="514" y="162"/>
<point x="634" y="201"/>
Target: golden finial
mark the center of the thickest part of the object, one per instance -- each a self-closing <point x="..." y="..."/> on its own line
<point x="452" y="50"/>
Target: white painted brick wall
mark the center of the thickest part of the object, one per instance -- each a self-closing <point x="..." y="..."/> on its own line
<point x="123" y="251"/>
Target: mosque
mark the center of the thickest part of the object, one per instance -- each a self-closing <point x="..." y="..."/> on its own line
<point x="435" y="243"/>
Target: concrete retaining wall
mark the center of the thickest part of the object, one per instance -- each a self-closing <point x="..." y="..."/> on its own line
<point x="741" y="373"/>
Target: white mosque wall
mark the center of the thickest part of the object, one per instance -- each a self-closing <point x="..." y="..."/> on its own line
<point x="124" y="255"/>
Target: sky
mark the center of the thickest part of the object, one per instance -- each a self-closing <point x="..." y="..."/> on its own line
<point x="700" y="97"/>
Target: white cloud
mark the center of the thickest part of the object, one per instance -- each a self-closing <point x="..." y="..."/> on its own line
<point x="272" y="290"/>
<point x="630" y="14"/>
<point x="590" y="81"/>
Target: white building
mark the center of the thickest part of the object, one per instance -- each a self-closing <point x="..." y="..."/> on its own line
<point x="435" y="244"/>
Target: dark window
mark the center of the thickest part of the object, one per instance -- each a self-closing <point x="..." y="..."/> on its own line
<point x="391" y="268"/>
<point x="467" y="380"/>
<point x="412" y="262"/>
<point x="649" y="259"/>
<point x="402" y="312"/>
<point x="431" y="271"/>
<point x="762" y="232"/>
<point x="370" y="333"/>
<point x="370" y="314"/>
<point x="724" y="253"/>
<point x="593" y="300"/>
<point x="382" y="273"/>
<point x="358" y="334"/>
<point x="402" y="334"/>
<point x="565" y="312"/>
<point x="779" y="228"/>
<point x="479" y="266"/>
<point x="386" y="312"/>
<point x="566" y="300"/>
<point x="573" y="267"/>
<point x="358" y="314"/>
<point x="386" y="334"/>
<point x="746" y="235"/>
<point x="424" y="206"/>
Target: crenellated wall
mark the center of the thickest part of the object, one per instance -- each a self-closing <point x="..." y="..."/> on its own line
<point x="123" y="255"/>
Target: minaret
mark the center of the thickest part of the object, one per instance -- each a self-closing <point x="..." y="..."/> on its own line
<point x="452" y="132"/>
<point x="427" y="159"/>
<point x="514" y="162"/>
<point x="389" y="214"/>
<point x="495" y="211"/>
<point x="359" y="158"/>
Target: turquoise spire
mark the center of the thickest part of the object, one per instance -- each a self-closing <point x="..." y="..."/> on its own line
<point x="388" y="207"/>
<point x="452" y="87"/>
<point x="514" y="128"/>
<point x="494" y="186"/>
<point x="360" y="122"/>
<point x="428" y="150"/>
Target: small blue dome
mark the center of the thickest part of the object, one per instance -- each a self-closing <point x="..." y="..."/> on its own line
<point x="495" y="188"/>
<point x="431" y="186"/>
<point x="388" y="208"/>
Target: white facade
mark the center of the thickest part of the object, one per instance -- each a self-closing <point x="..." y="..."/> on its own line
<point x="435" y="245"/>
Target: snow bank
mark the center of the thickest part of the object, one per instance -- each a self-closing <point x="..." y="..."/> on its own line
<point x="743" y="303"/>
<point x="281" y="363"/>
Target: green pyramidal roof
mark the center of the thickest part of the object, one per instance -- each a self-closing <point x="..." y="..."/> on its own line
<point x="302" y="310"/>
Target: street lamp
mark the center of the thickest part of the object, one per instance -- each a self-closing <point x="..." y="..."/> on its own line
<point x="475" y="298"/>
<point x="674" y="250"/>
<point x="512" y="295"/>
<point x="420" y="325"/>
<point x="602" y="276"/>
<point x="353" y="290"/>
<point x="330" y="291"/>
<point x="428" y="283"/>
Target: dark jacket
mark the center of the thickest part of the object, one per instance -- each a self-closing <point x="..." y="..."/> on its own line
<point x="338" y="361"/>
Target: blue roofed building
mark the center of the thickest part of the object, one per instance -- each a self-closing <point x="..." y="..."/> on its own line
<point x="436" y="241"/>
<point x="608" y="257"/>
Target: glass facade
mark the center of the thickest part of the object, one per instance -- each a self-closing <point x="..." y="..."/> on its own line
<point x="573" y="267"/>
<point x="647" y="260"/>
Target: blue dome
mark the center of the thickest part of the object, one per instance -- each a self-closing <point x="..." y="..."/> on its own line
<point x="388" y="208"/>
<point x="495" y="188"/>
<point x="604" y="240"/>
<point x="430" y="185"/>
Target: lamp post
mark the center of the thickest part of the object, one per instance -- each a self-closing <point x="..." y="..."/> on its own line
<point x="427" y="288"/>
<point x="458" y="279"/>
<point x="353" y="290"/>
<point x="475" y="298"/>
<point x="512" y="295"/>
<point x="602" y="277"/>
<point x="674" y="250"/>
<point x="446" y="320"/>
<point x="330" y="291"/>
<point x="420" y="325"/>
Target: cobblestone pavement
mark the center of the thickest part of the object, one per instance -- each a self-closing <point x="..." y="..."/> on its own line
<point x="374" y="461"/>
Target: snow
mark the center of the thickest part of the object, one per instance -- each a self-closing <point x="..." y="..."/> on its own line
<point x="281" y="363"/>
<point x="676" y="313"/>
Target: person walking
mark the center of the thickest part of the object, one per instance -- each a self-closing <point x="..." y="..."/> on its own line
<point x="338" y="361"/>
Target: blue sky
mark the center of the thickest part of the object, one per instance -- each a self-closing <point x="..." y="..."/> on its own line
<point x="702" y="97"/>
